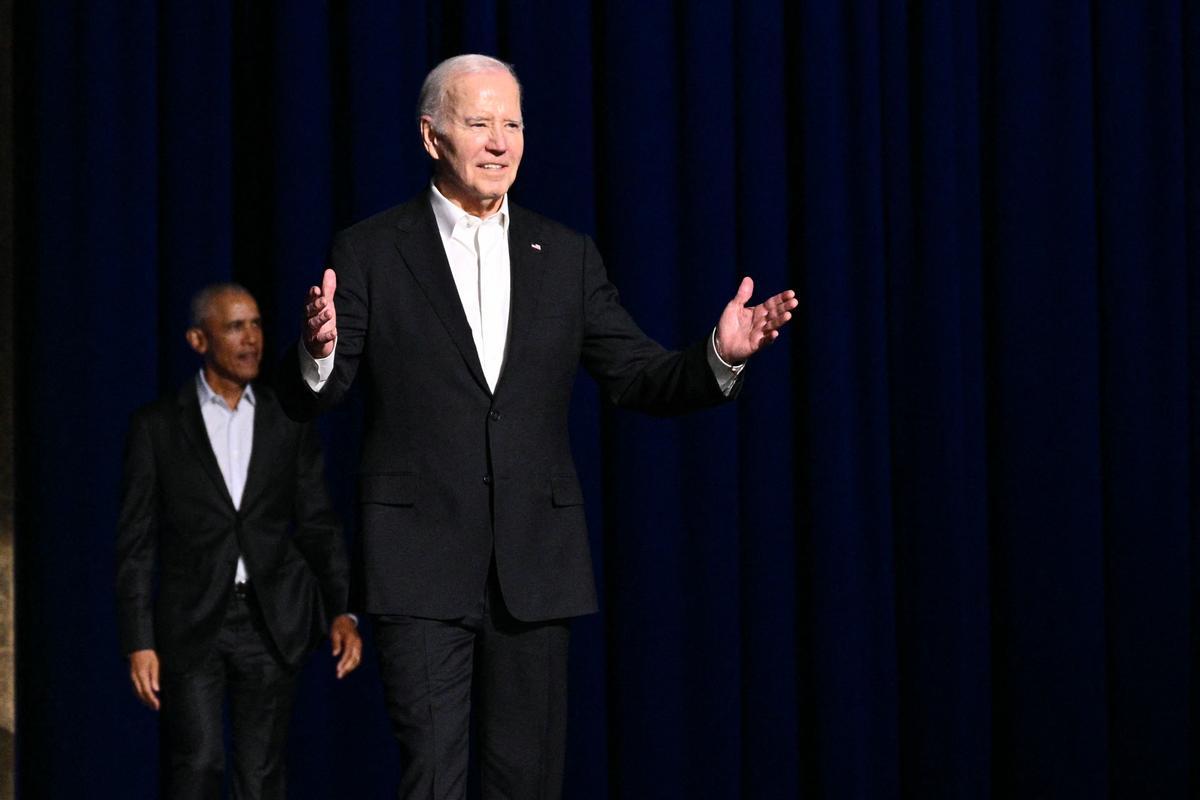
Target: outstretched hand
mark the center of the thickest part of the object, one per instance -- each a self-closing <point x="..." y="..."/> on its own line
<point x="320" y="317"/>
<point x="744" y="330"/>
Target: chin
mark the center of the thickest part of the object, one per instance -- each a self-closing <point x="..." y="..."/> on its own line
<point x="492" y="190"/>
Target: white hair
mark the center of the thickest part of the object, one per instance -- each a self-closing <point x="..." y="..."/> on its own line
<point x="436" y="88"/>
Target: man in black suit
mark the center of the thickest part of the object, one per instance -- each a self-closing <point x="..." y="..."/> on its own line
<point x="468" y="318"/>
<point x="223" y="495"/>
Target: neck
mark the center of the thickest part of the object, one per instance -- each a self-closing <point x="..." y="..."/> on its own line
<point x="231" y="391"/>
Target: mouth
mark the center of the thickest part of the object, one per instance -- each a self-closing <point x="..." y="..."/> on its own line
<point x="493" y="167"/>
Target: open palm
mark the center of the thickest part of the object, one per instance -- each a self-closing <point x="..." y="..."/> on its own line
<point x="744" y="330"/>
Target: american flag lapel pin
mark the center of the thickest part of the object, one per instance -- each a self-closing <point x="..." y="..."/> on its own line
<point x="536" y="246"/>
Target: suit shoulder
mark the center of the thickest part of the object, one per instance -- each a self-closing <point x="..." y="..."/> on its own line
<point x="264" y="394"/>
<point x="546" y="227"/>
<point x="155" y="421"/>
<point x="267" y="405"/>
<point x="384" y="222"/>
<point x="155" y="412"/>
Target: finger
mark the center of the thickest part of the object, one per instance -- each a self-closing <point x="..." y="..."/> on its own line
<point x="335" y="639"/>
<point x="326" y="331"/>
<point x="144" y="692"/>
<point x="784" y="300"/>
<point x="781" y="307"/>
<point x="745" y="290"/>
<point x="318" y="321"/>
<point x="329" y="283"/>
<point x="777" y="321"/>
<point x="348" y="662"/>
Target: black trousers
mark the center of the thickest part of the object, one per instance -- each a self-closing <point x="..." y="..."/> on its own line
<point x="243" y="664"/>
<point x="520" y="669"/>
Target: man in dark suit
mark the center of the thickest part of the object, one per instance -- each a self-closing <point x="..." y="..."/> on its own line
<point x="468" y="318"/>
<point x="224" y="497"/>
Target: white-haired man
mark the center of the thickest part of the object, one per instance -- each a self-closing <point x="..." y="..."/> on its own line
<point x="468" y="317"/>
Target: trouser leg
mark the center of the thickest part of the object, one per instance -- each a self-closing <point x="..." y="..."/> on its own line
<point x="261" y="691"/>
<point x="426" y="670"/>
<point x="522" y="715"/>
<point x="191" y="739"/>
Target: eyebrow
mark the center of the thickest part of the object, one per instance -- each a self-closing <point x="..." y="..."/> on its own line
<point x="488" y="118"/>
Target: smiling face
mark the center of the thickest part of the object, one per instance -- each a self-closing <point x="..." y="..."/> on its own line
<point x="477" y="140"/>
<point x="230" y="339"/>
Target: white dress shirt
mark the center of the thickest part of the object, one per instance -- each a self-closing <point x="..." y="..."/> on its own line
<point x="231" y="434"/>
<point x="477" y="250"/>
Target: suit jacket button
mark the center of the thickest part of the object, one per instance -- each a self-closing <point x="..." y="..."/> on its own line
<point x="487" y="479"/>
<point x="494" y="416"/>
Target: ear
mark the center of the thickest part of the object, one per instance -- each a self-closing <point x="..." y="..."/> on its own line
<point x="197" y="340"/>
<point x="429" y="138"/>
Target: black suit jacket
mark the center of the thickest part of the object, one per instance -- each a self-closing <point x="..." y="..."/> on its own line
<point x="452" y="472"/>
<point x="177" y="515"/>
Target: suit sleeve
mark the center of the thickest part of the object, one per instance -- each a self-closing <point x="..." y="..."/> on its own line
<point x="137" y="539"/>
<point x="632" y="369"/>
<point x="318" y="534"/>
<point x="299" y="401"/>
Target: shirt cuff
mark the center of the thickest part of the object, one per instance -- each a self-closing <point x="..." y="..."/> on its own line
<point x="726" y="374"/>
<point x="316" y="371"/>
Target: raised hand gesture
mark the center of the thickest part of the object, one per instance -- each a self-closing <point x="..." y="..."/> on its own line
<point x="319" y="332"/>
<point x="744" y="330"/>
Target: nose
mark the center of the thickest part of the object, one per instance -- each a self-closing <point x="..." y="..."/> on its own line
<point x="497" y="139"/>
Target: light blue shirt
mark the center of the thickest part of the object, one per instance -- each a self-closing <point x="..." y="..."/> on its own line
<point x="231" y="434"/>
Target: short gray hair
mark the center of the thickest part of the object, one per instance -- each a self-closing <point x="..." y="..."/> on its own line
<point x="202" y="300"/>
<point x="432" y="100"/>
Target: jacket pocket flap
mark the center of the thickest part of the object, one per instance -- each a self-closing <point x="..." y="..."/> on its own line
<point x="565" y="491"/>
<point x="398" y="489"/>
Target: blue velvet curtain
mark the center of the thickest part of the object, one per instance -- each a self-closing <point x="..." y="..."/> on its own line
<point x="944" y="545"/>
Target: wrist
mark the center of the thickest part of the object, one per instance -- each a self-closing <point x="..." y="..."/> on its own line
<point x="725" y="359"/>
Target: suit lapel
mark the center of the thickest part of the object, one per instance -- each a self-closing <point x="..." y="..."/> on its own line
<point x="262" y="447"/>
<point x="420" y="246"/>
<point x="197" y="437"/>
<point x="527" y="264"/>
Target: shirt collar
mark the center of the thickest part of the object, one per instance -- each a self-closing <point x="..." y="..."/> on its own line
<point x="206" y="395"/>
<point x="449" y="215"/>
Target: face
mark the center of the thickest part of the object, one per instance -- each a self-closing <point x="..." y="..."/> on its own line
<point x="480" y="140"/>
<point x="230" y="338"/>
